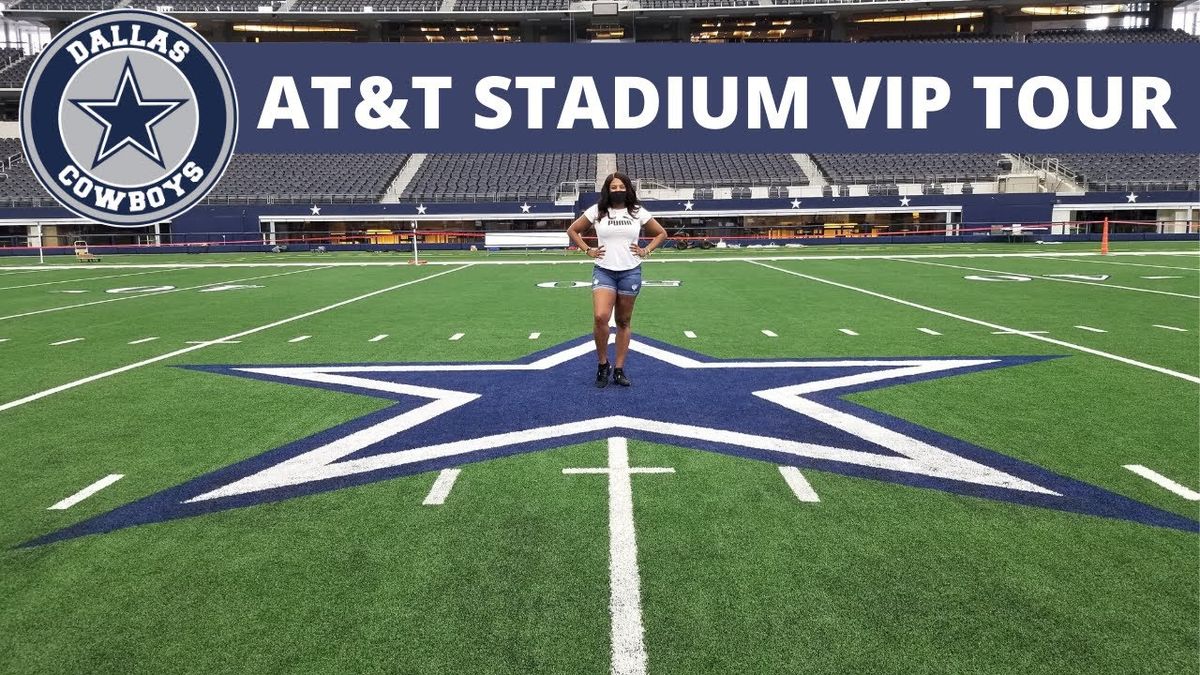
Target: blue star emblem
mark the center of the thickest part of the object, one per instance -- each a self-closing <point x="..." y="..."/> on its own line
<point x="128" y="118"/>
<point x="788" y="412"/>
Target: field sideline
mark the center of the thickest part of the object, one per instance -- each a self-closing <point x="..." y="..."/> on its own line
<point x="1073" y="368"/>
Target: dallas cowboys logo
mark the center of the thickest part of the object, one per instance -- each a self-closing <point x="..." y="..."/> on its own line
<point x="128" y="118"/>
<point x="784" y="412"/>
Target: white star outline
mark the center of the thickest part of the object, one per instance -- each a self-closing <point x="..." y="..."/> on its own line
<point x="912" y="456"/>
<point x="127" y="79"/>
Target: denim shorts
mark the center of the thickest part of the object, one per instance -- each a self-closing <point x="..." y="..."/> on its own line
<point x="625" y="282"/>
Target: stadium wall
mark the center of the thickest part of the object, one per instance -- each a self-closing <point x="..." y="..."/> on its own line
<point x="209" y="222"/>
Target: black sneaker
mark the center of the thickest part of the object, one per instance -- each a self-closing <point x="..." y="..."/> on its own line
<point x="619" y="377"/>
<point x="602" y="375"/>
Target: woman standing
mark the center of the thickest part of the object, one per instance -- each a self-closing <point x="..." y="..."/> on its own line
<point x="617" y="276"/>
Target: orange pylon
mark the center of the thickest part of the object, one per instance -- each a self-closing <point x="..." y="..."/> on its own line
<point x="1104" y="238"/>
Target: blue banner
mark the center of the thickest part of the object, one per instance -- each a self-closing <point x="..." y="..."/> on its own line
<point x="591" y="98"/>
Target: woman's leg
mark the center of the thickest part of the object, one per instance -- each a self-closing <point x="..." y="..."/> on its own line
<point x="624" y="332"/>
<point x="602" y="308"/>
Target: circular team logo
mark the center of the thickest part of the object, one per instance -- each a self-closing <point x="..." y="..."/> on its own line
<point x="128" y="117"/>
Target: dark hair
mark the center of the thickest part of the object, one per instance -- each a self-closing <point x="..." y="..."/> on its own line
<point x="631" y="198"/>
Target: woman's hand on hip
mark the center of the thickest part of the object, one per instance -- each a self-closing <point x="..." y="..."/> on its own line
<point x="638" y="251"/>
<point x="595" y="252"/>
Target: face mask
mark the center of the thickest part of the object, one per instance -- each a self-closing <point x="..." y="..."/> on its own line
<point x="617" y="199"/>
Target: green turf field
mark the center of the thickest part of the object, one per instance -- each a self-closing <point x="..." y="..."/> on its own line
<point x="516" y="571"/>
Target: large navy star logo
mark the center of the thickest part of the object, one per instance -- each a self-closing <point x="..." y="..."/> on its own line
<point x="788" y="412"/>
<point x="128" y="118"/>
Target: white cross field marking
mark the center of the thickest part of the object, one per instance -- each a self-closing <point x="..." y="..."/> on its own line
<point x="1091" y="330"/>
<point x="1161" y="480"/>
<point x="142" y="341"/>
<point x="300" y="338"/>
<point x="86" y="492"/>
<point x="534" y="336"/>
<point x="847" y="331"/>
<point x="456" y="337"/>
<point x="929" y="331"/>
<point x="625" y="599"/>
<point x="689" y="335"/>
<point x="65" y="342"/>
<point x="441" y="487"/>
<point x="799" y="484"/>
<point x="1180" y="330"/>
<point x="377" y="338"/>
<point x="769" y="333"/>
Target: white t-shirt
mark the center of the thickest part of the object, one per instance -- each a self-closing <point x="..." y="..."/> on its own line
<point x="615" y="232"/>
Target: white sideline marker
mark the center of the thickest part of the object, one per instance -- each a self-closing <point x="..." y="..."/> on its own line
<point x="1163" y="481"/>
<point x="86" y="492"/>
<point x="929" y="331"/>
<point x="1092" y="330"/>
<point x="377" y="338"/>
<point x="799" y="484"/>
<point x="300" y="338"/>
<point x="441" y="487"/>
<point x="257" y="329"/>
<point x="847" y="331"/>
<point x="456" y="337"/>
<point x="625" y="598"/>
<point x="66" y="342"/>
<point x="689" y="334"/>
<point x="1174" y="328"/>
<point x="980" y="322"/>
<point x="769" y="333"/>
<point x="142" y="341"/>
<point x="534" y="336"/>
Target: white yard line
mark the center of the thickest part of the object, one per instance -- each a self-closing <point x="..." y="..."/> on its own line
<point x="799" y="484"/>
<point x="1129" y="264"/>
<point x="979" y="322"/>
<point x="441" y="487"/>
<point x="847" y="331"/>
<point x="66" y="342"/>
<point x="1162" y="481"/>
<point x="1045" y="278"/>
<point x="1181" y="330"/>
<point x="769" y="333"/>
<point x="154" y="293"/>
<point x="929" y="331"/>
<point x="300" y="338"/>
<point x="377" y="338"/>
<point x="1013" y="331"/>
<point x="86" y="492"/>
<point x="116" y="371"/>
<point x="1091" y="330"/>
<point x="143" y="340"/>
<point x="625" y="597"/>
<point x="69" y="281"/>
